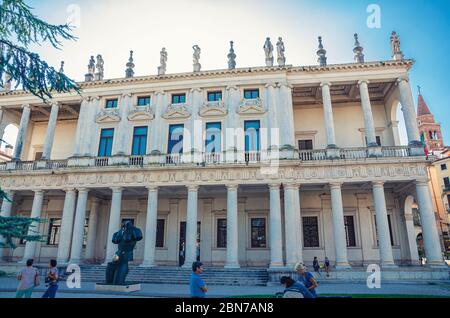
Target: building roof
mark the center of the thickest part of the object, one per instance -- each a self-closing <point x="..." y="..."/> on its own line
<point x="422" y="107"/>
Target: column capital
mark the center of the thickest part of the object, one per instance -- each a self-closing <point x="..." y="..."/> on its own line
<point x="69" y="189"/>
<point x="83" y="190"/>
<point x="54" y="103"/>
<point x="291" y="185"/>
<point x="126" y="94"/>
<point x="117" y="189"/>
<point x="160" y="93"/>
<point x="377" y="184"/>
<point x="152" y="188"/>
<point x="232" y="187"/>
<point x="274" y="186"/>
<point x="38" y="192"/>
<point x="273" y="85"/>
<point x="335" y="185"/>
<point x="402" y="78"/>
<point x="25" y="106"/>
<point x="192" y="187"/>
<point x="367" y="82"/>
<point x="285" y="84"/>
<point x="322" y="84"/>
<point x="421" y="182"/>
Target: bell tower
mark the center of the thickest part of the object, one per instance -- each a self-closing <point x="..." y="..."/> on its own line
<point x="430" y="131"/>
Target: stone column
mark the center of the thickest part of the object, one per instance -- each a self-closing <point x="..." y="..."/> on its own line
<point x="2" y="128"/>
<point x="65" y="237"/>
<point x="49" y="137"/>
<point x="91" y="128"/>
<point x="84" y="108"/>
<point x="367" y="112"/>
<point x="232" y="100"/>
<point x="78" y="227"/>
<point x="384" y="239"/>
<point x="30" y="247"/>
<point x="150" y="227"/>
<point x="287" y="130"/>
<point x="114" y="222"/>
<point x="291" y="223"/>
<point x="191" y="226"/>
<point x="156" y="124"/>
<point x="429" y="228"/>
<point x="196" y="125"/>
<point x="24" y="121"/>
<point x="120" y="139"/>
<point x="409" y="113"/>
<point x="6" y="205"/>
<point x="340" y="241"/>
<point x="272" y="114"/>
<point x="92" y="231"/>
<point x="411" y="235"/>
<point x="328" y="114"/>
<point x="232" y="227"/>
<point x="275" y="230"/>
<point x="395" y="133"/>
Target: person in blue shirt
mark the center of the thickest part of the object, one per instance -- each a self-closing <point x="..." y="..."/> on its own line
<point x="306" y="278"/>
<point x="197" y="285"/>
<point x="294" y="289"/>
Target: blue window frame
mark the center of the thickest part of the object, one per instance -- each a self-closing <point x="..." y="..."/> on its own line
<point x="143" y="101"/>
<point x="139" y="147"/>
<point x="175" y="142"/>
<point x="213" y="137"/>
<point x="111" y="103"/>
<point x="214" y="96"/>
<point x="106" y="142"/>
<point x="252" y="142"/>
<point x="178" y="98"/>
<point x="251" y="93"/>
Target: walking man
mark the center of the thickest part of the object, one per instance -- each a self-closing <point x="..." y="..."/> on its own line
<point x="51" y="280"/>
<point x="29" y="278"/>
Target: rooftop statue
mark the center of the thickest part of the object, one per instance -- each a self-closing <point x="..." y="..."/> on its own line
<point x="196" y="58"/>
<point x="91" y="70"/>
<point x="280" y="50"/>
<point x="231" y="57"/>
<point x="397" y="53"/>
<point x="268" y="50"/>
<point x="100" y="68"/>
<point x="163" y="62"/>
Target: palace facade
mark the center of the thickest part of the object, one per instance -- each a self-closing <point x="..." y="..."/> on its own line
<point x="260" y="166"/>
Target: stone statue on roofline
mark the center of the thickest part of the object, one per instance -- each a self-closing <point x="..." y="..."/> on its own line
<point x="280" y="50"/>
<point x="231" y="57"/>
<point x="100" y="68"/>
<point x="397" y="53"/>
<point x="268" y="51"/>
<point x="91" y="70"/>
<point x="196" y="58"/>
<point x="163" y="62"/>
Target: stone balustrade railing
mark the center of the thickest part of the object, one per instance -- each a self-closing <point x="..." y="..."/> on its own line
<point x="205" y="158"/>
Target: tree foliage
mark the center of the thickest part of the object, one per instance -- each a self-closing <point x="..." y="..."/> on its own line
<point x="20" y="28"/>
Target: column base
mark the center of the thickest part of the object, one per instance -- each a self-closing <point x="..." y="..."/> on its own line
<point x="374" y="151"/>
<point x="41" y="164"/>
<point x="437" y="264"/>
<point x="187" y="265"/>
<point x="232" y="265"/>
<point x="11" y="165"/>
<point x="388" y="265"/>
<point x="333" y="152"/>
<point x="416" y="150"/>
<point x="277" y="265"/>
<point x="342" y="266"/>
<point x="147" y="265"/>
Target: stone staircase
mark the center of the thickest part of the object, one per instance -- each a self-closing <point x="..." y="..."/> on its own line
<point x="177" y="275"/>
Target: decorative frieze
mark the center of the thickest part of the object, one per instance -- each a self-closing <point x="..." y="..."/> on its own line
<point x="251" y="107"/>
<point x="213" y="109"/>
<point x="160" y="176"/>
<point x="140" y="113"/>
<point x="110" y="115"/>
<point x="176" y="111"/>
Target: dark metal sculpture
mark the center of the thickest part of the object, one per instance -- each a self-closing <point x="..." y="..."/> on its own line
<point x="126" y="238"/>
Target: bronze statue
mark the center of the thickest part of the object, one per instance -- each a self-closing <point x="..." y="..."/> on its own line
<point x="126" y="239"/>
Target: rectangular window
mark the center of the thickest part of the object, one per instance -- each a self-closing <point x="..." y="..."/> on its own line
<point x="310" y="231"/>
<point x="390" y="229"/>
<point x="258" y="232"/>
<point x="38" y="155"/>
<point x="213" y="137"/>
<point x="446" y="182"/>
<point x="54" y="230"/>
<point x="143" y="101"/>
<point x="160" y="225"/>
<point x="448" y="200"/>
<point x="106" y="142"/>
<point x="350" y="230"/>
<point x="139" y="147"/>
<point x="306" y="144"/>
<point x="214" y="96"/>
<point x="178" y="98"/>
<point x="251" y="93"/>
<point x="221" y="233"/>
<point x="252" y="142"/>
<point x="111" y="103"/>
<point x="175" y="143"/>
<point x="443" y="166"/>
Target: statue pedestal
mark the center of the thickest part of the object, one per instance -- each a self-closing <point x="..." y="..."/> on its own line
<point x="126" y="288"/>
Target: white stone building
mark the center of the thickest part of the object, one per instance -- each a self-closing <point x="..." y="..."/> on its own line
<point x="156" y="150"/>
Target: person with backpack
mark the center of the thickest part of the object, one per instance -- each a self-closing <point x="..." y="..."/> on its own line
<point x="51" y="280"/>
<point x="29" y="278"/>
<point x="293" y="289"/>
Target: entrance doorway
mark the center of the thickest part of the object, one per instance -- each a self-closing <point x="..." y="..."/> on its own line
<point x="182" y="243"/>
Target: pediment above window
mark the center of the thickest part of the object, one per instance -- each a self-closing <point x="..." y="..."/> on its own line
<point x="251" y="106"/>
<point x="176" y="111"/>
<point x="213" y="109"/>
<point x="108" y="116"/>
<point x="141" y="113"/>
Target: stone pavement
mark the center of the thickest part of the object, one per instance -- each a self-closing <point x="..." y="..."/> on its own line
<point x="8" y="287"/>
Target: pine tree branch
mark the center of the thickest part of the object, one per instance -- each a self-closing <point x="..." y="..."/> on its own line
<point x="33" y="74"/>
<point x="17" y="20"/>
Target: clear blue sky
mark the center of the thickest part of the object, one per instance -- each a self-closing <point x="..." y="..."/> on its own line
<point x="113" y="27"/>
